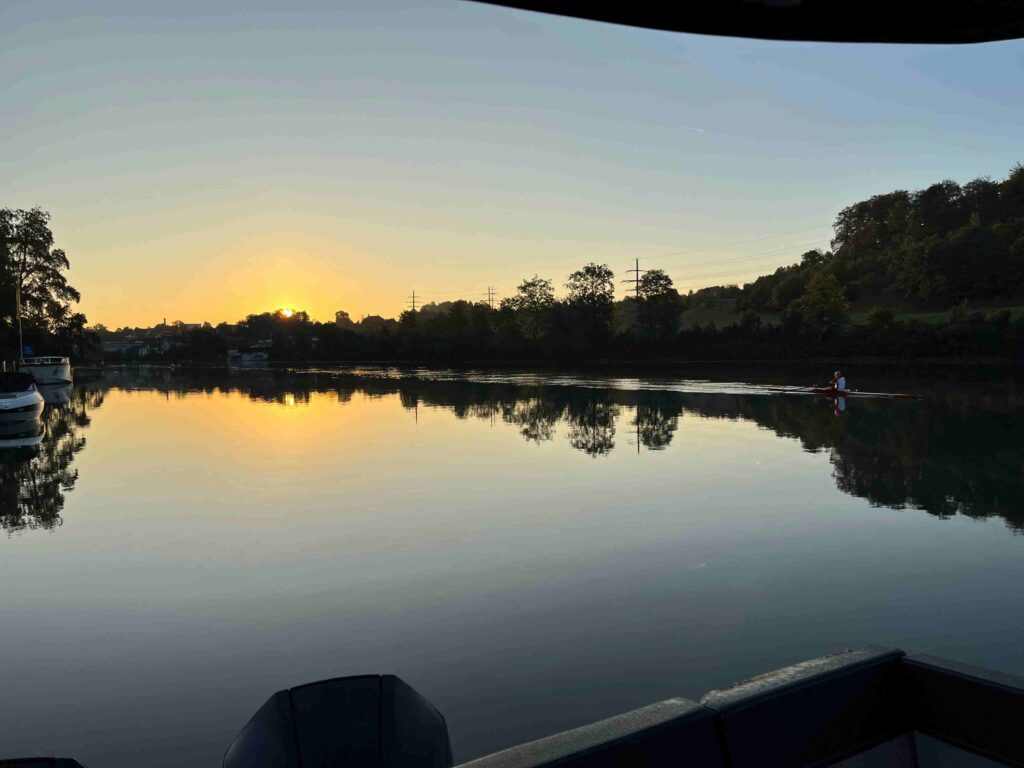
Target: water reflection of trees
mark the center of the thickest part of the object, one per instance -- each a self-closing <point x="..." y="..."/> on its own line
<point x="592" y="423"/>
<point x="656" y="424"/>
<point x="535" y="416"/>
<point x="948" y="455"/>
<point x="34" y="482"/>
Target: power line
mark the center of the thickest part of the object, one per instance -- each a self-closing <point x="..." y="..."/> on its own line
<point x="735" y="270"/>
<point x="413" y="297"/>
<point x="740" y="242"/>
<point x="773" y="253"/>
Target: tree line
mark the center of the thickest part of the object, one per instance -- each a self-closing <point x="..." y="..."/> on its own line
<point x="932" y="248"/>
<point x="533" y="326"/>
<point x="950" y="248"/>
<point x="956" y="249"/>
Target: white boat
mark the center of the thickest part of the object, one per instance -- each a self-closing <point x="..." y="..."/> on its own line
<point x="19" y="398"/>
<point x="48" y="370"/>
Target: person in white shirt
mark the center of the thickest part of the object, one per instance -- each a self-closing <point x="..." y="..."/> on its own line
<point x="838" y="382"/>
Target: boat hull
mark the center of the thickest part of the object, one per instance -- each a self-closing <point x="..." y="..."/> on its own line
<point x="23" y="406"/>
<point x="48" y="372"/>
<point x="842" y="393"/>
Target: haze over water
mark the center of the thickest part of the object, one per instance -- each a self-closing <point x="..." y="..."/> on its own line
<point x="530" y="553"/>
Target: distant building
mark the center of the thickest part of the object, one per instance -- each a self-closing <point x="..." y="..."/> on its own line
<point x="132" y="348"/>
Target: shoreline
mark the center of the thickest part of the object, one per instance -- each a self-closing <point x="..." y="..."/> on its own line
<point x="573" y="365"/>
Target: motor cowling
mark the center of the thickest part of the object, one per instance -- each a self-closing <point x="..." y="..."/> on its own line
<point x="376" y="721"/>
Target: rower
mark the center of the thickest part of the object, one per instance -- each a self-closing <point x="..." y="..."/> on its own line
<point x="838" y="382"/>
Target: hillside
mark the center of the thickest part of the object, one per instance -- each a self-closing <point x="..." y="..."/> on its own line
<point x="916" y="253"/>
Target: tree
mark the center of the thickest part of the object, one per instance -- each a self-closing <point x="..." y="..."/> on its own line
<point x="593" y="286"/>
<point x="813" y="258"/>
<point x="591" y="295"/>
<point x="531" y="303"/>
<point x="659" y="307"/>
<point x="824" y="304"/>
<point x="30" y="264"/>
<point x="655" y="284"/>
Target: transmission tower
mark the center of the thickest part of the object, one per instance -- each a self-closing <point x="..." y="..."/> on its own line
<point x="413" y="299"/>
<point x="635" y="280"/>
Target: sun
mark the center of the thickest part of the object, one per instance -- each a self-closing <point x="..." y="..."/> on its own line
<point x="287" y="312"/>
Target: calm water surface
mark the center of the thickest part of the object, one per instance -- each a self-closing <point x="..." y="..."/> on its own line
<point x="531" y="552"/>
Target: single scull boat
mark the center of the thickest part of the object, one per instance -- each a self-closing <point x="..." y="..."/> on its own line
<point x="827" y="392"/>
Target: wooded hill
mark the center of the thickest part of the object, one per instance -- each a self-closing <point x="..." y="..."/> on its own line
<point x="929" y="249"/>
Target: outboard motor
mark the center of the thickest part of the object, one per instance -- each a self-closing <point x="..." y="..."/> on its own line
<point x="376" y="721"/>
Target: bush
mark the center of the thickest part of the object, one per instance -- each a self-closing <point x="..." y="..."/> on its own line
<point x="881" y="317"/>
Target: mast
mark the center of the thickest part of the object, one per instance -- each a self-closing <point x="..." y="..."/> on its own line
<point x="21" y="340"/>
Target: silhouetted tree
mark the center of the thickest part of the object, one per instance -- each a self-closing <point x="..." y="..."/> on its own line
<point x="531" y="305"/>
<point x="659" y="307"/>
<point x="591" y="293"/>
<point x="29" y="262"/>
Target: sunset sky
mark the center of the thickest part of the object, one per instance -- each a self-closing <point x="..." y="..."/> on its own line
<point x="205" y="160"/>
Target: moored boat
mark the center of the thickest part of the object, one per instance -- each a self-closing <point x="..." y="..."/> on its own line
<point x="19" y="398"/>
<point x="47" y="370"/>
<point x="246" y="358"/>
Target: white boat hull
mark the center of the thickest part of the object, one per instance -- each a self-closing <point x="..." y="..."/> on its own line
<point x="20" y="406"/>
<point x="57" y="371"/>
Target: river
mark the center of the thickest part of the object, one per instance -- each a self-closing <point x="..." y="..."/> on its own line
<point x="530" y="551"/>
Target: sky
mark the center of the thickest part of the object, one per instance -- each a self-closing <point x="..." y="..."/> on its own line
<point x="207" y="160"/>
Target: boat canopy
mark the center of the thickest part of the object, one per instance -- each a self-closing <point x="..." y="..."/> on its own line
<point x="16" y="382"/>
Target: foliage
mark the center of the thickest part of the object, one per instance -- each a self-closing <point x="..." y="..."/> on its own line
<point x="29" y="262"/>
<point x="591" y="295"/>
<point x="531" y="305"/>
<point x="659" y="306"/>
<point x="824" y="305"/>
<point x="32" y="266"/>
<point x="881" y="317"/>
